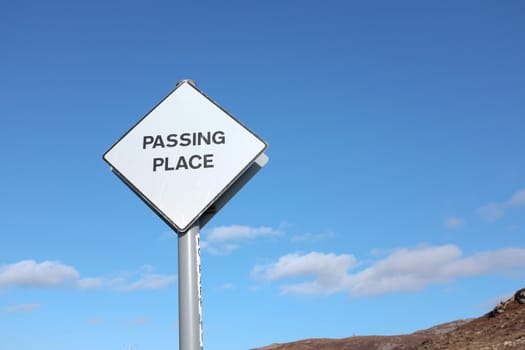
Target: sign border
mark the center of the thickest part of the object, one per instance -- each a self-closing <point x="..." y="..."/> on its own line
<point x="146" y="200"/>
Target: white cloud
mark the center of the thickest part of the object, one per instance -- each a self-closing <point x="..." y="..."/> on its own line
<point x="453" y="222"/>
<point x="403" y="270"/>
<point x="146" y="281"/>
<point x="517" y="199"/>
<point x="312" y="237"/>
<point x="491" y="212"/>
<point x="29" y="273"/>
<point x="495" y="210"/>
<point x="224" y="239"/>
<point x="234" y="232"/>
<point x="22" y="307"/>
<point x="144" y="278"/>
<point x="47" y="274"/>
<point x="329" y="272"/>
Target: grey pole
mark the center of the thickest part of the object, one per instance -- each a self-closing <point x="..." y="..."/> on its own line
<point x="190" y="304"/>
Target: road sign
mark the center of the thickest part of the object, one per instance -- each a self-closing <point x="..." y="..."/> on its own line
<point x="183" y="155"/>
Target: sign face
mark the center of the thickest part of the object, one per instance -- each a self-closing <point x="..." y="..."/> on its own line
<point x="183" y="155"/>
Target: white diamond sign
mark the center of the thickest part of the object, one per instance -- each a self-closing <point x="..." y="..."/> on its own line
<point x="183" y="155"/>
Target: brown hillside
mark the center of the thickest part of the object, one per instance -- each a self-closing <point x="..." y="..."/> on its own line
<point x="501" y="328"/>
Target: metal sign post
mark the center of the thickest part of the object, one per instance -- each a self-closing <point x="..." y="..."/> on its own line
<point x="190" y="299"/>
<point x="186" y="159"/>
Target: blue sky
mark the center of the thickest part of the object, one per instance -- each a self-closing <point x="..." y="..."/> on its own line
<point x="394" y="198"/>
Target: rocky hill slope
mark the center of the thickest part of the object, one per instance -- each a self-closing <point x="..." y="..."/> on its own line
<point x="502" y="328"/>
